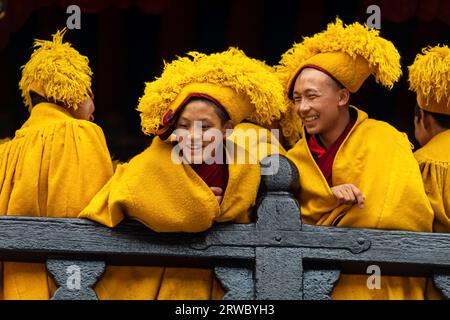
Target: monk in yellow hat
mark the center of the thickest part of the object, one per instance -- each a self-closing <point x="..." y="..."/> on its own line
<point x="47" y="169"/>
<point x="429" y="78"/>
<point x="177" y="185"/>
<point x="354" y="171"/>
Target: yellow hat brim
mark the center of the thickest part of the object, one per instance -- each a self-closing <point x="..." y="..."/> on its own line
<point x="348" y="71"/>
<point x="237" y="106"/>
<point x="430" y="105"/>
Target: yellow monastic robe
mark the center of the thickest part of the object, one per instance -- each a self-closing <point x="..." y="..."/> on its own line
<point x="377" y="159"/>
<point x="52" y="168"/>
<point x="434" y="162"/>
<point x="168" y="197"/>
<point x="3" y="146"/>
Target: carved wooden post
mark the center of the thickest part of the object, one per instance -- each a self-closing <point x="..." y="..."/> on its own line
<point x="278" y="271"/>
<point x="441" y="280"/>
<point x="75" y="279"/>
<point x="237" y="282"/>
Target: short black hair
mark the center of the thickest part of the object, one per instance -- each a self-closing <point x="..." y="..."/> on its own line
<point x="443" y="120"/>
<point x="36" y="98"/>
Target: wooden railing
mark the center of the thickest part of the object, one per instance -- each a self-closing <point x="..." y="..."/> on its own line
<point x="276" y="257"/>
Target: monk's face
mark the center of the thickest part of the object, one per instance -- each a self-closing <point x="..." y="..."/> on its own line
<point x="318" y="101"/>
<point x="85" y="111"/>
<point x="202" y="130"/>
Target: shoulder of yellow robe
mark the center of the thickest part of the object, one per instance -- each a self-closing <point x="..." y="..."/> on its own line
<point x="53" y="166"/>
<point x="116" y="163"/>
<point x="3" y="145"/>
<point x="170" y="197"/>
<point x="437" y="150"/>
<point x="258" y="141"/>
<point x="377" y="159"/>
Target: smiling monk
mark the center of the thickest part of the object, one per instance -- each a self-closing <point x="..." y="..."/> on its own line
<point x="190" y="177"/>
<point x="354" y="171"/>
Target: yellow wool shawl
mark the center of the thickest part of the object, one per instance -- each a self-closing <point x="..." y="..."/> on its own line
<point x="377" y="159"/>
<point x="52" y="168"/>
<point x="168" y="197"/>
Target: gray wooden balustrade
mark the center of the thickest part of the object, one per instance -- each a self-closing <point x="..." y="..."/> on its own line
<point x="276" y="257"/>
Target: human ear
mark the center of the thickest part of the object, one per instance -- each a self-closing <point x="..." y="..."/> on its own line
<point x="227" y="128"/>
<point x="418" y="118"/>
<point x="343" y="97"/>
<point x="425" y="121"/>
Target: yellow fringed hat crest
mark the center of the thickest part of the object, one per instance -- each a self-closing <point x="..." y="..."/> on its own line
<point x="291" y="125"/>
<point x="246" y="88"/>
<point x="429" y="78"/>
<point x="57" y="72"/>
<point x="349" y="54"/>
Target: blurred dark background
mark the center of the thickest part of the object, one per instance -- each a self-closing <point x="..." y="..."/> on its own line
<point x="128" y="40"/>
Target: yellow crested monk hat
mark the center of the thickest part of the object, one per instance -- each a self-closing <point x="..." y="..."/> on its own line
<point x="57" y="72"/>
<point x="429" y="78"/>
<point x="349" y="54"/>
<point x="247" y="89"/>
